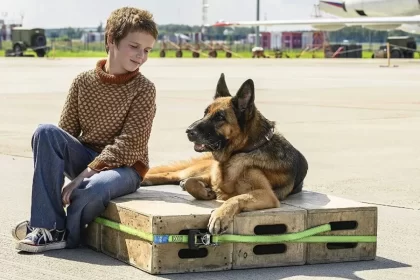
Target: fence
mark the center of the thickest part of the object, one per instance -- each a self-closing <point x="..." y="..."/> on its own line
<point x="368" y="50"/>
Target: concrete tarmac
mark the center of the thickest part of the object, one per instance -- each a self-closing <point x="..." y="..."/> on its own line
<point x="357" y="123"/>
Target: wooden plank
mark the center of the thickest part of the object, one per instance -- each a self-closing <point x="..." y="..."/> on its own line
<point x="161" y="213"/>
<point x="347" y="217"/>
<point x="285" y="219"/>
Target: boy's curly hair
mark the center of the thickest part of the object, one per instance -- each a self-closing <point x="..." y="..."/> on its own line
<point x="128" y="19"/>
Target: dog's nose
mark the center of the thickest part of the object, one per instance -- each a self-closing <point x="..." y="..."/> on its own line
<point x="191" y="132"/>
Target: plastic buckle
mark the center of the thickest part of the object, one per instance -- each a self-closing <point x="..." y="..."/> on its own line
<point x="196" y="239"/>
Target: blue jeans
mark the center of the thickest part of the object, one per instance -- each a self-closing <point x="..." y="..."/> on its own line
<point x="58" y="154"/>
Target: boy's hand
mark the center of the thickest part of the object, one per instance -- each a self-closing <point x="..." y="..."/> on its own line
<point x="68" y="189"/>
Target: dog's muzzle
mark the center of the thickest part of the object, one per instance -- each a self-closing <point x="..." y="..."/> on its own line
<point x="192" y="134"/>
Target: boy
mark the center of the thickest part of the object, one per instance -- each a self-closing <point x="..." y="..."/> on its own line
<point x="101" y="142"/>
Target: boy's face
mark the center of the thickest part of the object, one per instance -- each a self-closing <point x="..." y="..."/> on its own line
<point x="132" y="51"/>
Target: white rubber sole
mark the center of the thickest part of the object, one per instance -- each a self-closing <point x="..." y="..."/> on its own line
<point x="41" y="248"/>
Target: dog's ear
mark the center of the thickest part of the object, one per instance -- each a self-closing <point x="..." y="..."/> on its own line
<point x="221" y="89"/>
<point x="245" y="96"/>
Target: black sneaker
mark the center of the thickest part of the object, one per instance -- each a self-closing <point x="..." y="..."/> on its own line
<point x="42" y="239"/>
<point x="22" y="229"/>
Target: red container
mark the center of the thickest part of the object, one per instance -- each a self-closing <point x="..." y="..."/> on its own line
<point x="291" y="40"/>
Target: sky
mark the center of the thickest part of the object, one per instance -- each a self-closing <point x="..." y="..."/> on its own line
<point x="89" y="13"/>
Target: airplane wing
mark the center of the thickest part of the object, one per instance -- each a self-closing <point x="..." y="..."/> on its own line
<point x="326" y="21"/>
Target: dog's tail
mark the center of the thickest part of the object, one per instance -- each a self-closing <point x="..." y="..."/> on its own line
<point x="302" y="170"/>
<point x="178" y="165"/>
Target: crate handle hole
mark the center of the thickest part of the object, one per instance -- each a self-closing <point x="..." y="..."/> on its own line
<point x="186" y="231"/>
<point x="270" y="229"/>
<point x="269" y="249"/>
<point x="193" y="254"/>
<point x="344" y="225"/>
<point x="339" y="246"/>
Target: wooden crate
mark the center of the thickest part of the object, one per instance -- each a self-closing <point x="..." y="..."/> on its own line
<point x="285" y="219"/>
<point x="347" y="217"/>
<point x="159" y="213"/>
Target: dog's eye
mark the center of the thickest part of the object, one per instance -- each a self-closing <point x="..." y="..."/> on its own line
<point x="220" y="117"/>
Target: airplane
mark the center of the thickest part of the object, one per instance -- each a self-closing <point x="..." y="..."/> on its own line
<point x="372" y="14"/>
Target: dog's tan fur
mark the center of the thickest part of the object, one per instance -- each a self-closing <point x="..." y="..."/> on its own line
<point x="246" y="172"/>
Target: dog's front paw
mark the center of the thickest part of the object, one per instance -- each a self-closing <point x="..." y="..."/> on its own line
<point x="219" y="221"/>
<point x="198" y="189"/>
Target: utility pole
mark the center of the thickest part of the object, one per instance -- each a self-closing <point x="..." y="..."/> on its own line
<point x="257" y="33"/>
<point x="204" y="18"/>
<point x="22" y="15"/>
<point x="3" y="28"/>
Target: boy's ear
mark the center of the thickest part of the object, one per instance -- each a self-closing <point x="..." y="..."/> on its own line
<point x="110" y="40"/>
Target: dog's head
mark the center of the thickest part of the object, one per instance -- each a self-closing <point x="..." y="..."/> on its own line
<point x="224" y="119"/>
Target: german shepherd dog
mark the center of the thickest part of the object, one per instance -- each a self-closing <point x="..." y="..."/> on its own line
<point x="245" y="162"/>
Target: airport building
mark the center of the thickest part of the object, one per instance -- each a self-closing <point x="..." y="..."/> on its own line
<point x="288" y="40"/>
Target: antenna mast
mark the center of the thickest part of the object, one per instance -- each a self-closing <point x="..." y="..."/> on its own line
<point x="204" y="18"/>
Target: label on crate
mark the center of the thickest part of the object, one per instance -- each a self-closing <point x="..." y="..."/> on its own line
<point x="160" y="239"/>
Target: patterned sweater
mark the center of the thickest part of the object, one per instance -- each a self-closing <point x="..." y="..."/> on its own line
<point x="113" y="115"/>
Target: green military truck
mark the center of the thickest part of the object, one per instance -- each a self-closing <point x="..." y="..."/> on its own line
<point x="400" y="47"/>
<point x="28" y="38"/>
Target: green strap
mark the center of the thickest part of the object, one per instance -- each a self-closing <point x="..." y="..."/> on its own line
<point x="338" y="239"/>
<point x="306" y="236"/>
<point x="143" y="235"/>
<point x="271" y="238"/>
<point x="123" y="228"/>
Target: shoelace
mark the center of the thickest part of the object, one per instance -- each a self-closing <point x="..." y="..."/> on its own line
<point x="41" y="231"/>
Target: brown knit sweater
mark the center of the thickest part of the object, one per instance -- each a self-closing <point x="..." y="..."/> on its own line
<point x="113" y="115"/>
